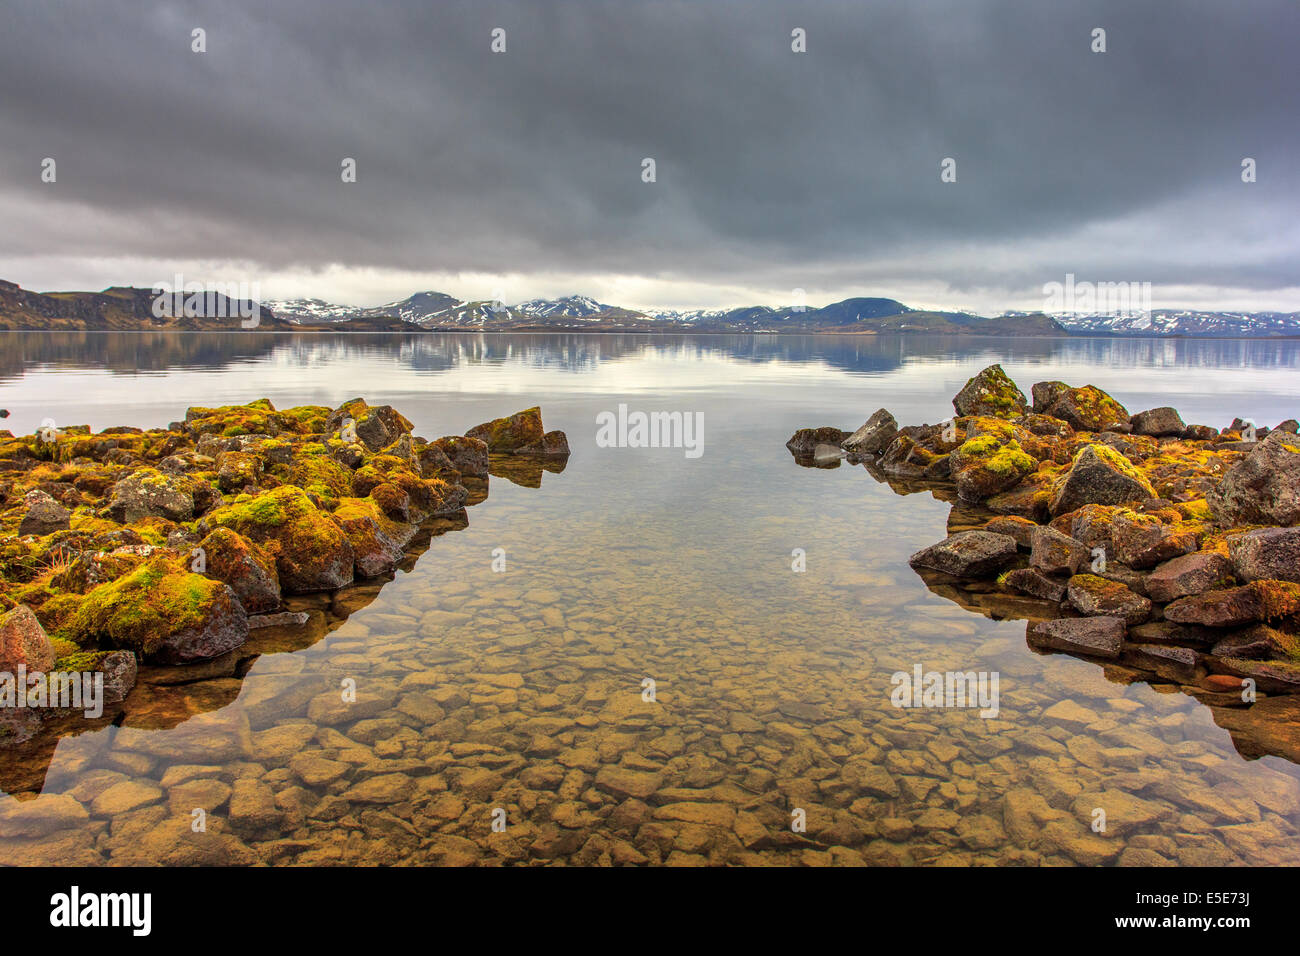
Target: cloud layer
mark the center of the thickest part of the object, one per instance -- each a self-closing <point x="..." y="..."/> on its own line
<point x="774" y="169"/>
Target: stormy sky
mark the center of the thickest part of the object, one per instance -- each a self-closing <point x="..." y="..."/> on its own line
<point x="520" y="173"/>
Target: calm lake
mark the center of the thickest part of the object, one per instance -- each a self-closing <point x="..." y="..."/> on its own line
<point x="521" y="691"/>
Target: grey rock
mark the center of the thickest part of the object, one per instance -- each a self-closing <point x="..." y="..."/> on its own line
<point x="1092" y="636"/>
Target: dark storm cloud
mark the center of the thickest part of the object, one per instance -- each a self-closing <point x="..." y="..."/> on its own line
<point x="770" y="163"/>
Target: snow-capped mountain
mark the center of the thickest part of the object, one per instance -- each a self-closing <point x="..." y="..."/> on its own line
<point x="1186" y="322"/>
<point x="573" y="306"/>
<point x="310" y="311"/>
<point x="437" y="310"/>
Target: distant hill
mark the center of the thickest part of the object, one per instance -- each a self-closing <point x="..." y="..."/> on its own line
<point x="132" y="309"/>
<point x="1189" y="323"/>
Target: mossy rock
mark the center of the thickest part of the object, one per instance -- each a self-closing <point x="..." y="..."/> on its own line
<point x="523" y="429"/>
<point x="986" y="465"/>
<point x="1087" y="408"/>
<point x="231" y="558"/>
<point x="991" y="393"/>
<point x="1097" y="596"/>
<point x="319" y="474"/>
<point x="1099" y="475"/>
<point x="162" y="612"/>
<point x="375" y="538"/>
<point x="311" y="553"/>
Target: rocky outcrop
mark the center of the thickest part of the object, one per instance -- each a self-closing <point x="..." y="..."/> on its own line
<point x="521" y="434"/>
<point x="157" y="546"/>
<point x="1172" y="547"/>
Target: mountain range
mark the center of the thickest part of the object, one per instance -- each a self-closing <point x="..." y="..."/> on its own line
<point x="123" y="308"/>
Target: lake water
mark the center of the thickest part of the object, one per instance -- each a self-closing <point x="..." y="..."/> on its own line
<point x="522" y="691"/>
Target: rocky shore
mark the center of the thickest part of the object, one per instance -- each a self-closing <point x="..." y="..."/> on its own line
<point x="167" y="547"/>
<point x="1135" y="538"/>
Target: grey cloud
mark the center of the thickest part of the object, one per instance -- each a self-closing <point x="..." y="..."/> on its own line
<point x="769" y="163"/>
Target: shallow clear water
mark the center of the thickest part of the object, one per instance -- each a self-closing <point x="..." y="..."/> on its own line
<point x="522" y="691"/>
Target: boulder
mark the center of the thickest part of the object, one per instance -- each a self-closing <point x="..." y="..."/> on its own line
<point x="1035" y="583"/>
<point x="906" y="457"/>
<point x="44" y="515"/>
<point x="237" y="469"/>
<point x="554" y="444"/>
<point x="374" y="550"/>
<point x="1255" y="642"/>
<point x="150" y="494"/>
<point x="1234" y="607"/>
<point x="1187" y="574"/>
<point x="1087" y="408"/>
<point x="1158" y="422"/>
<point x="1099" y="475"/>
<point x="985" y="465"/>
<point x="23" y="642"/>
<point x="163" y="613"/>
<point x="1056" y="553"/>
<point x="1266" y="553"/>
<point x="1090" y="526"/>
<point x="1096" y="596"/>
<point x="1143" y="541"/>
<point x="1262" y="488"/>
<point x="991" y="393"/>
<point x="311" y="552"/>
<point x="968" y="554"/>
<point x="874" y="436"/>
<point x="433" y="462"/>
<point x="250" y="572"/>
<point x="469" y="456"/>
<point x="803" y="443"/>
<point x="1200" y="433"/>
<point x="520" y="433"/>
<point x="1091" y="636"/>
<point x="376" y="427"/>
<point x="1022" y="529"/>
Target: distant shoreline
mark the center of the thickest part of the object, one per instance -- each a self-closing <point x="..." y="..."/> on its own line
<point x="318" y="330"/>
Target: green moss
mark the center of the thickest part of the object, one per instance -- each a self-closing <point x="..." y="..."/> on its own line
<point x="249" y="512"/>
<point x="1278" y="599"/>
<point x="317" y="473"/>
<point x="140" y="610"/>
<point x="80" y="661"/>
